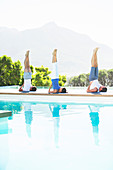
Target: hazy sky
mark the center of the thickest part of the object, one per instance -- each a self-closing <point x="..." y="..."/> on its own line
<point x="91" y="17"/>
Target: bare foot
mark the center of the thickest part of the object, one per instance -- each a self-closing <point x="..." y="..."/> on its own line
<point x="95" y="50"/>
<point x="27" y="53"/>
<point x="54" y="52"/>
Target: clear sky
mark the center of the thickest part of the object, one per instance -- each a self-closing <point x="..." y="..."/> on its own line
<point x="91" y="17"/>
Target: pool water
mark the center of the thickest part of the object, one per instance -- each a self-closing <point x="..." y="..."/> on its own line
<point x="56" y="135"/>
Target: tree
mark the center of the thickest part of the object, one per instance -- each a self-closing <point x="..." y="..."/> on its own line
<point x="41" y="77"/>
<point x="87" y="79"/>
<point x="16" y="73"/>
<point x="103" y="77"/>
<point x="10" y="72"/>
<point x="110" y="77"/>
<point x="62" y="80"/>
<point x="82" y="79"/>
<point x="73" y="81"/>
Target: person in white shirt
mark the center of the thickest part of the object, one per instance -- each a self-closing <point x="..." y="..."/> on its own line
<point x="94" y="85"/>
<point x="27" y="86"/>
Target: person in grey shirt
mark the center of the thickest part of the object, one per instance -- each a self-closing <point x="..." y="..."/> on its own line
<point x="27" y="86"/>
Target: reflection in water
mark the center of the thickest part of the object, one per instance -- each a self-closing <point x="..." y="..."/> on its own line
<point x="4" y="145"/>
<point x="39" y="144"/>
<point x="15" y="107"/>
<point x="4" y="129"/>
<point x="94" y="116"/>
<point x="28" y="117"/>
<point x="55" y="110"/>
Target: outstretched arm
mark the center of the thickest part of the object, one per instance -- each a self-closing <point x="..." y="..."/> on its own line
<point x="52" y="91"/>
<point x="50" y="88"/>
<point x="92" y="90"/>
<point x="21" y="89"/>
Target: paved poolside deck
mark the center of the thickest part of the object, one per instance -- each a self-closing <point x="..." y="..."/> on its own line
<point x="45" y="92"/>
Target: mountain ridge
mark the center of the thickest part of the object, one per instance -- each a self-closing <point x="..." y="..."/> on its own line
<point x="74" y="49"/>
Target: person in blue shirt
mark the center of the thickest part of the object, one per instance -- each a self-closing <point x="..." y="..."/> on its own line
<point x="55" y="76"/>
<point x="27" y="86"/>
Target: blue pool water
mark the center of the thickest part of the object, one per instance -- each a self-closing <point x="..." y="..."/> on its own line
<point x="46" y="133"/>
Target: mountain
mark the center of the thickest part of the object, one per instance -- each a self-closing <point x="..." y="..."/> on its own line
<point x="74" y="49"/>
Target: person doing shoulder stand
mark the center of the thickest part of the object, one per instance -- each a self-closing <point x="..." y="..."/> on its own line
<point x="55" y="76"/>
<point x="27" y="86"/>
<point x="94" y="85"/>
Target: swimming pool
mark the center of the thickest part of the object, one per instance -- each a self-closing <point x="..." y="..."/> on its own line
<point x="56" y="133"/>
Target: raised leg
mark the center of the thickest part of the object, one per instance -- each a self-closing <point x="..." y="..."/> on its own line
<point x="94" y="62"/>
<point x="94" y="66"/>
<point x="26" y="62"/>
<point x="54" y="59"/>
